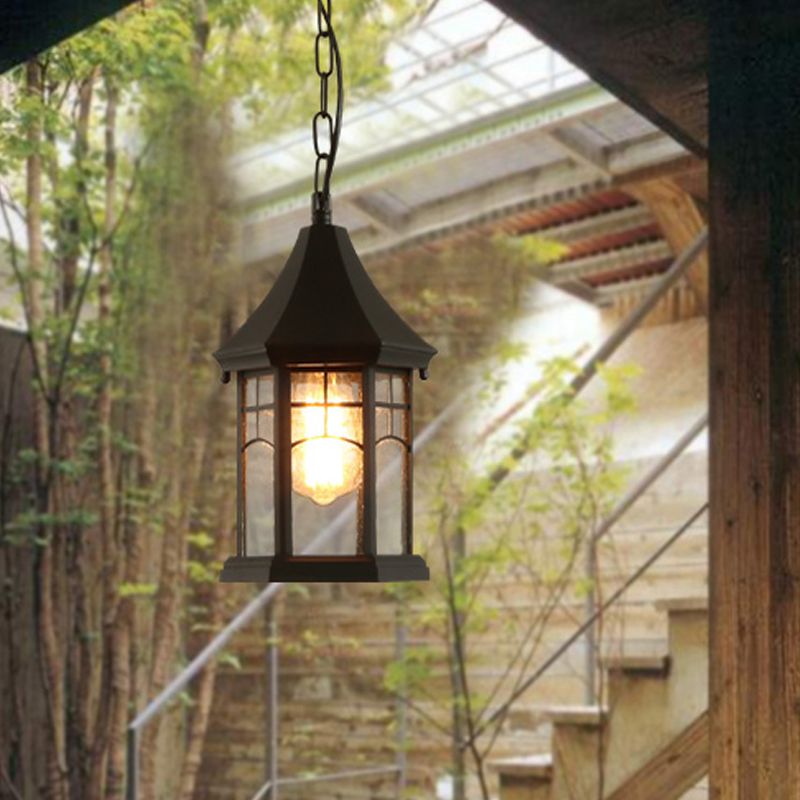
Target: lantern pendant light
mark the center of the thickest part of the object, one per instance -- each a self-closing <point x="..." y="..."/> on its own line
<point x="324" y="370"/>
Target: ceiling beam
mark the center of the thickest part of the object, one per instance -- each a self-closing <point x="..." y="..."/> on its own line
<point x="587" y="266"/>
<point x="29" y="27"/>
<point x="580" y="150"/>
<point x="652" y="55"/>
<point x="681" y="221"/>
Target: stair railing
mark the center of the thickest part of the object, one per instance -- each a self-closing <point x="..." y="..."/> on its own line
<point x="503" y="710"/>
<point x="266" y="596"/>
<point x="628" y="499"/>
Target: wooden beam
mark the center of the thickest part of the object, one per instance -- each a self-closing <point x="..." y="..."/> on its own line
<point x="580" y="151"/>
<point x="680" y="220"/>
<point x="755" y="400"/>
<point x="30" y="27"/>
<point x="652" y="55"/>
<point x="672" y="771"/>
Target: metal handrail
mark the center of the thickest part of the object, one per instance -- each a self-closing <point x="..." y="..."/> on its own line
<point x="651" y="476"/>
<point x="628" y="500"/>
<point x="503" y="709"/>
<point x="330" y="776"/>
<point x="634" y="319"/>
<point x="610" y="346"/>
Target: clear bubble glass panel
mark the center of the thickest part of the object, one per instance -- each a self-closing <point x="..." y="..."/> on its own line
<point x="383" y="384"/>
<point x="329" y="530"/>
<point x="399" y="389"/>
<point x="259" y="499"/>
<point x="308" y="387"/>
<point x="334" y="422"/>
<point x="259" y="390"/>
<point x="399" y="423"/>
<point x="383" y="423"/>
<point x="251" y="391"/>
<point x="344" y="387"/>
<point x="259" y="425"/>
<point x="315" y="387"/>
<point x="391" y="511"/>
<point x="265" y="390"/>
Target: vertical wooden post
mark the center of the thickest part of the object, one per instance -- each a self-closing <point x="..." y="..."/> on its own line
<point x="754" y="85"/>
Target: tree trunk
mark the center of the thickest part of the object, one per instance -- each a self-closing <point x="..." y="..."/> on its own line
<point x="116" y="645"/>
<point x="51" y="652"/>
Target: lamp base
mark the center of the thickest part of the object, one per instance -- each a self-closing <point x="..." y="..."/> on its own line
<point x="324" y="569"/>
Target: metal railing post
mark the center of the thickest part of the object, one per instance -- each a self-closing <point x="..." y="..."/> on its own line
<point x="273" y="711"/>
<point x="132" y="784"/>
<point x="591" y="568"/>
<point x="401" y="712"/>
<point x="636" y="317"/>
<point x="523" y="687"/>
<point x="590" y="613"/>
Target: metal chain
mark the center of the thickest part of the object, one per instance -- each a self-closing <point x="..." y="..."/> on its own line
<point x="322" y="124"/>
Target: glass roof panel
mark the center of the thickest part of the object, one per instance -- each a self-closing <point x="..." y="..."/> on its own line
<point x="463" y="60"/>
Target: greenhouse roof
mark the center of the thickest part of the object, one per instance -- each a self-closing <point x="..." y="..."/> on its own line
<point x="463" y="62"/>
<point x="483" y="128"/>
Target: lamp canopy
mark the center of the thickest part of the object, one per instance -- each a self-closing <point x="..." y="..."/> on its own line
<point x="324" y="309"/>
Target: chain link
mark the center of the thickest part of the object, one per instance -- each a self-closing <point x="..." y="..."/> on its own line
<point x="323" y="61"/>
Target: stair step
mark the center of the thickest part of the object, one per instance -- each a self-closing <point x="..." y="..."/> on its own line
<point x="538" y="766"/>
<point x="588" y="716"/>
<point x="654" y="664"/>
<point x="683" y="604"/>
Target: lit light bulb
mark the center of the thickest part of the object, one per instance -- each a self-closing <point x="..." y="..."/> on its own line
<point x="325" y="462"/>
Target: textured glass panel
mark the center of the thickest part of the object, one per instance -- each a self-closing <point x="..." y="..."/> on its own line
<point x="344" y="387"/>
<point x="330" y="530"/>
<point x="382" y="423"/>
<point x="259" y="518"/>
<point x="265" y="391"/>
<point x="399" y="394"/>
<point x="259" y="390"/>
<point x="259" y="425"/>
<point x="391" y="497"/>
<point x="250" y="430"/>
<point x="341" y="387"/>
<point x="251" y="385"/>
<point x="336" y="422"/>
<point x="325" y="469"/>
<point x="383" y="381"/>
<point x="398" y="423"/>
<point x="308" y="387"/>
<point x="265" y="424"/>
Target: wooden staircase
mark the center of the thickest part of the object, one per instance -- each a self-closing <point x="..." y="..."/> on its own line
<point x="650" y="739"/>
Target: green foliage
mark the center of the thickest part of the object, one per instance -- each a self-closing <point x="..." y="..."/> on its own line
<point x="135" y="284"/>
<point x="137" y="589"/>
<point x="229" y="659"/>
<point x="510" y="512"/>
<point x="531" y="249"/>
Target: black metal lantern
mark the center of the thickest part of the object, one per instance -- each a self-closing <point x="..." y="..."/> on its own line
<point x="324" y="372"/>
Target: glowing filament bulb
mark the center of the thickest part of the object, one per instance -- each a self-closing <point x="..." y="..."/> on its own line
<point x="326" y="462"/>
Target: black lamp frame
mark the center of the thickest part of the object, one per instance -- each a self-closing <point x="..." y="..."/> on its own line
<point x="366" y="564"/>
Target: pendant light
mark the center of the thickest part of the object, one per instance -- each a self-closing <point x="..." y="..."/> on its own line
<point x="324" y="370"/>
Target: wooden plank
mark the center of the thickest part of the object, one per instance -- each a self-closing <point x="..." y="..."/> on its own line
<point x="678" y="767"/>
<point x="652" y="55"/>
<point x="755" y="401"/>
